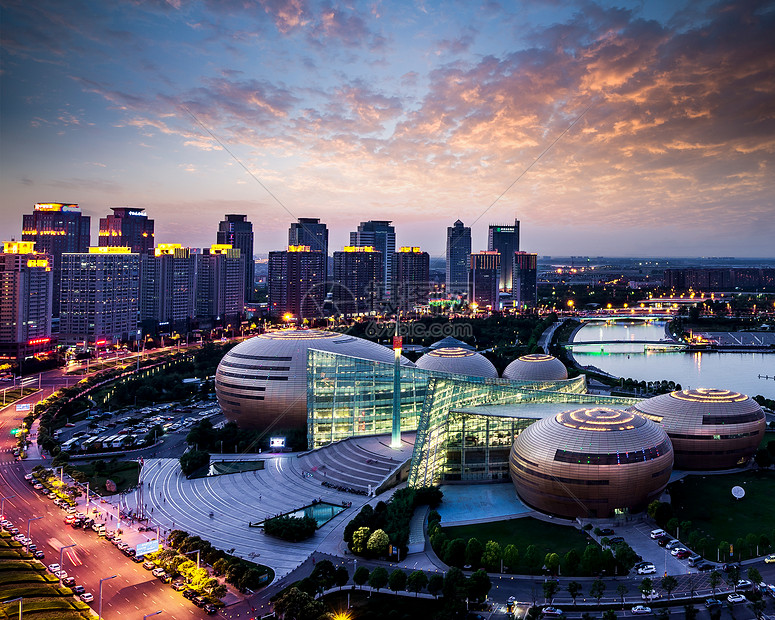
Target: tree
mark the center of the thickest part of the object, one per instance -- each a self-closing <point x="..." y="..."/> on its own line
<point x="552" y="563"/>
<point x="511" y="558"/>
<point x="378" y="543"/>
<point x="591" y="561"/>
<point x="474" y="552"/>
<point x="758" y="606"/>
<point x="625" y="557"/>
<point x="672" y="525"/>
<point x="690" y="612"/>
<point x="417" y="581"/>
<point x="532" y="558"/>
<point x="621" y="590"/>
<point x="397" y="580"/>
<point x="491" y="558"/>
<point x="192" y="460"/>
<point x="361" y="575"/>
<point x="669" y="583"/>
<point x="378" y="578"/>
<point x="715" y="580"/>
<point x="733" y="576"/>
<point x="454" y="584"/>
<point x="479" y="585"/>
<point x="754" y="576"/>
<point x="435" y="584"/>
<point x="297" y="605"/>
<point x="550" y="589"/>
<point x="456" y="552"/>
<point x="646" y="586"/>
<point x="609" y="614"/>
<point x="574" y="589"/>
<point x="341" y="576"/>
<point x="597" y="589"/>
<point x="361" y="539"/>
<point x="570" y="563"/>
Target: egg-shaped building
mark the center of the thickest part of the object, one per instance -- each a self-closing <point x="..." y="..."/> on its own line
<point x="536" y="367"/>
<point x="591" y="462"/>
<point x="262" y="382"/>
<point x="458" y="360"/>
<point x="710" y="429"/>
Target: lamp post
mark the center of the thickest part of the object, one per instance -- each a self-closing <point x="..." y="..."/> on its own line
<point x="99" y="607"/>
<point x="197" y="556"/>
<point x="2" y="503"/>
<point x="28" y="524"/>
<point x="13" y="600"/>
<point x="61" y="551"/>
<point x="155" y="613"/>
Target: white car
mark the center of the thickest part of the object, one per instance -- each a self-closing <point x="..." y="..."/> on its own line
<point x="87" y="597"/>
<point x="677" y="550"/>
<point x="641" y="609"/>
<point x="657" y="534"/>
<point x="673" y="544"/>
<point x="735" y="598"/>
<point x="54" y="567"/>
<point x="649" y="569"/>
<point x="650" y="596"/>
<point x="62" y="574"/>
<point x="157" y="572"/>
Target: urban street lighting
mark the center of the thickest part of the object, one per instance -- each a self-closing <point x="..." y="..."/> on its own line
<point x="28" y="525"/>
<point x="61" y="551"/>
<point x="155" y="613"/>
<point x="99" y="612"/>
<point x="2" y="503"/>
<point x="197" y="556"/>
<point x="13" y="600"/>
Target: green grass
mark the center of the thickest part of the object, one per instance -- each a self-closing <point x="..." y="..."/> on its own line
<point x="124" y="473"/>
<point x="767" y="438"/>
<point x="547" y="537"/>
<point x="707" y="502"/>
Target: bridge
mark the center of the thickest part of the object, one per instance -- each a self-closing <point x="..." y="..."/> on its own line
<point x="639" y="318"/>
<point x="664" y="343"/>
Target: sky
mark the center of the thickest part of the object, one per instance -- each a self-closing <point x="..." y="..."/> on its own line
<point x="608" y="128"/>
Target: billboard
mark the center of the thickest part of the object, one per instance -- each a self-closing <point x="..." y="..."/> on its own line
<point x="24" y="407"/>
<point x="277" y="442"/>
<point x="147" y="547"/>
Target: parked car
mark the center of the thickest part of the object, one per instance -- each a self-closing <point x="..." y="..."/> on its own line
<point x="673" y="544"/>
<point x="616" y="540"/>
<point x="148" y="565"/>
<point x="710" y="603"/>
<point x="682" y="554"/>
<point x="179" y="586"/>
<point x="189" y="594"/>
<point x="647" y="569"/>
<point x="68" y="581"/>
<point x="157" y="572"/>
<point x="650" y="596"/>
<point x="735" y="598"/>
<point x="87" y="597"/>
<point x="79" y="589"/>
<point x="657" y="534"/>
<point x="770" y="559"/>
<point x="641" y="609"/>
<point x="743" y="584"/>
<point x="165" y="578"/>
<point x="664" y="541"/>
<point x="39" y="555"/>
<point x="552" y="612"/>
<point x="704" y="566"/>
<point x="54" y="567"/>
<point x="210" y="609"/>
<point x="606" y="531"/>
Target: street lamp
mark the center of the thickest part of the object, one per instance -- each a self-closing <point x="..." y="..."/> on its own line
<point x="197" y="556"/>
<point x="99" y="612"/>
<point x="61" y="551"/>
<point x="13" y="600"/>
<point x="155" y="613"/>
<point x="2" y="503"/>
<point x="28" y="524"/>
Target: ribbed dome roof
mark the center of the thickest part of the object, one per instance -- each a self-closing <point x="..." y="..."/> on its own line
<point x="536" y="367"/>
<point x="458" y="360"/>
<point x="265" y="378"/>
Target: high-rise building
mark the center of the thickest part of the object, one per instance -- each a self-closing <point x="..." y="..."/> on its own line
<point x="412" y="283"/>
<point x="357" y="286"/>
<point x="26" y="287"/>
<point x="458" y="259"/>
<point x="237" y="231"/>
<point x="167" y="287"/>
<point x="220" y="285"/>
<point x="525" y="280"/>
<point x="309" y="231"/>
<point x="127" y="227"/>
<point x="483" y="279"/>
<point x="297" y="282"/>
<point x="504" y="239"/>
<point x="56" y="228"/>
<point x="100" y="296"/>
<point x="381" y="236"/>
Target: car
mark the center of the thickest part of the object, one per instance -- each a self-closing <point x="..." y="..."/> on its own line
<point x="640" y="563"/>
<point x="37" y="486"/>
<point x="54" y="567"/>
<point x="14" y="530"/>
<point x="121" y="545"/>
<point x="704" y="566"/>
<point x="710" y="603"/>
<point x="19" y="537"/>
<point x="189" y="594"/>
<point x="744" y="584"/>
<point x="28" y="477"/>
<point x="641" y="609"/>
<point x="79" y="589"/>
<point x="551" y="611"/>
<point x="694" y="559"/>
<point x="770" y="559"/>
<point x="664" y="541"/>
<point x="648" y="569"/>
<point x="201" y="602"/>
<point x="657" y="534"/>
<point x="39" y="555"/>
<point x="179" y="586"/>
<point x="157" y="572"/>
<point x="68" y="581"/>
<point x="650" y="596"/>
<point x="71" y="510"/>
<point x="51" y="495"/>
<point x="615" y="540"/>
<point x="682" y="554"/>
<point x="730" y="566"/>
<point x="110" y="535"/>
<point x="137" y="559"/>
<point x="210" y="609"/>
<point x="606" y="531"/>
<point x="148" y="565"/>
<point x="32" y="547"/>
<point x="735" y="598"/>
<point x="69" y="519"/>
<point x="87" y="597"/>
<point x="673" y="544"/>
<point x="62" y="574"/>
<point x="165" y="578"/>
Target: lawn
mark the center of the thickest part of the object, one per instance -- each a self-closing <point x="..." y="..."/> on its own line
<point x="124" y="473"/>
<point x="767" y="438"/>
<point x="707" y="502"/>
<point x="548" y="537"/>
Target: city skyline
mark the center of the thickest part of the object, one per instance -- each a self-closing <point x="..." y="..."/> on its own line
<point x="406" y="112"/>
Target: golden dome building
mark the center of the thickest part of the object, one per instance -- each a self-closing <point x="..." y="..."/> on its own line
<point x="536" y="367"/>
<point x="710" y="429"/>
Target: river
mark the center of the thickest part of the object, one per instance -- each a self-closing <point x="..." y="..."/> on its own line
<point x="732" y="371"/>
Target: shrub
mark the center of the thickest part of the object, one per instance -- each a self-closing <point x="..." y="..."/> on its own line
<point x="378" y="543"/>
<point x="193" y="460"/>
<point x="290" y="528"/>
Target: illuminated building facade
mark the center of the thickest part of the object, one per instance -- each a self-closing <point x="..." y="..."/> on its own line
<point x="412" y="283"/>
<point x="710" y="429"/>
<point x="483" y="279"/>
<point x="591" y="462"/>
<point x="100" y="296"/>
<point x="380" y="235"/>
<point x="297" y="282"/>
<point x="524" y="289"/>
<point x="220" y="285"/>
<point x="311" y="232"/>
<point x="357" y="283"/>
<point x="237" y="231"/>
<point x="167" y="287"/>
<point x="458" y="259"/>
<point x="127" y="227"/>
<point x="26" y="288"/>
<point x="504" y="239"/>
<point x="56" y="228"/>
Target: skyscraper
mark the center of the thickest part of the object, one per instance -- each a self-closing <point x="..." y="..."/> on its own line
<point x="26" y="286"/>
<point x="127" y="227"/>
<point x="309" y="231"/>
<point x="100" y="296"/>
<point x="167" y="287"/>
<point x="357" y="284"/>
<point x="381" y="236"/>
<point x="56" y="228"/>
<point x="220" y="285"/>
<point x="236" y="231"/>
<point x="412" y="283"/>
<point x="525" y="280"/>
<point x="483" y="278"/>
<point x="297" y="282"/>
<point x="458" y="259"/>
<point x="504" y="239"/>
